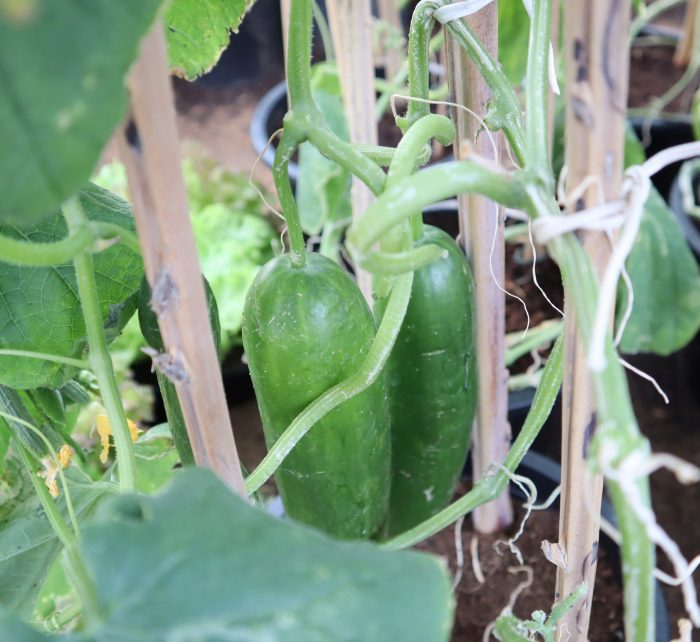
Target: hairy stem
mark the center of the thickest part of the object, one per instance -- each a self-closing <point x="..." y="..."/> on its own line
<point x="99" y="356"/>
<point x="76" y="569"/>
<point x="297" y="247"/>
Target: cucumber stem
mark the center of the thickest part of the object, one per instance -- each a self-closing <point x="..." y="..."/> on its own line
<point x="285" y="150"/>
<point x="99" y="356"/>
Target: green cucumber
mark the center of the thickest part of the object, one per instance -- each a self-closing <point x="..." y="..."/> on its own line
<point x="305" y="329"/>
<point x="432" y="387"/>
<point x="151" y="333"/>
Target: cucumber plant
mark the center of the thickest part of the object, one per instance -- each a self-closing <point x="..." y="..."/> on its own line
<point x="127" y="555"/>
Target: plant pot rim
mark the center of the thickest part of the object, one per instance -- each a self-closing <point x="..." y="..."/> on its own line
<point x="259" y="136"/>
<point x="258" y="127"/>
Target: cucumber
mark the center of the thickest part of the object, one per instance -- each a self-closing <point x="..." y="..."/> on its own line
<point x="432" y="387"/>
<point x="306" y="329"/>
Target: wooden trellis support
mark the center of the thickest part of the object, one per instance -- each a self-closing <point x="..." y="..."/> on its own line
<point x="149" y="148"/>
<point x="479" y="220"/>
<point x="596" y="106"/>
<point x="350" y="22"/>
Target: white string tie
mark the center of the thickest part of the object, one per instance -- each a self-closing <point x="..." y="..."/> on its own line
<point x="624" y="214"/>
<point x="601" y="218"/>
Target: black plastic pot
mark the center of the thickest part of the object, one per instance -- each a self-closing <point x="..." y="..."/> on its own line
<point x="267" y="117"/>
<point x="546" y="475"/>
<point x="689" y="225"/>
<point x="661" y="134"/>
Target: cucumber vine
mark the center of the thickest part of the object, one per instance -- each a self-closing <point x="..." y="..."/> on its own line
<point x="404" y="192"/>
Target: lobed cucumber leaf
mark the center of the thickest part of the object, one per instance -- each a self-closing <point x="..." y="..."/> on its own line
<point x="198" y="563"/>
<point x="198" y="32"/>
<point x="39" y="306"/>
<point x="62" y="66"/>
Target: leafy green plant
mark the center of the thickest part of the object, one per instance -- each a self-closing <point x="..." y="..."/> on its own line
<point x="234" y="238"/>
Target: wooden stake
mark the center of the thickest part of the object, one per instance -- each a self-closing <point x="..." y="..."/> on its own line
<point x="597" y="78"/>
<point x="351" y="28"/>
<point x="284" y="16"/>
<point x="151" y="154"/>
<point x="479" y="220"/>
<point x="389" y="13"/>
<point x="684" y="48"/>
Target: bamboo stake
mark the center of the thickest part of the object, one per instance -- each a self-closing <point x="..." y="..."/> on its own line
<point x="597" y="78"/>
<point x="157" y="189"/>
<point x="351" y="28"/>
<point x="684" y="48"/>
<point x="284" y="16"/>
<point x="389" y="13"/>
<point x="479" y="220"/>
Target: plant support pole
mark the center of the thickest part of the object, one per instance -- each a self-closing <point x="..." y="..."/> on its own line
<point x="389" y="12"/>
<point x="351" y="27"/>
<point x="150" y="151"/>
<point x="480" y="220"/>
<point x="596" y="81"/>
<point x="688" y="39"/>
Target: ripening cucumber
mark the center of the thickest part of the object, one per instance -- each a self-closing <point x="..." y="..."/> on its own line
<point x="432" y="387"/>
<point x="306" y="329"/>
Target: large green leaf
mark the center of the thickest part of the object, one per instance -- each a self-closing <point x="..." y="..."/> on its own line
<point x="39" y="307"/>
<point x="665" y="278"/>
<point x="61" y="95"/>
<point x="666" y="282"/>
<point x="29" y="546"/>
<point x="199" y="564"/>
<point x="198" y="32"/>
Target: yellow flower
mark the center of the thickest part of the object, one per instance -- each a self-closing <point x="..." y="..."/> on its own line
<point x="104" y="430"/>
<point x="65" y="455"/>
<point x="51" y="468"/>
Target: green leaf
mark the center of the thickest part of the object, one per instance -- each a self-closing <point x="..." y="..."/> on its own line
<point x="323" y="187"/>
<point x="29" y="546"/>
<point x="250" y="576"/>
<point x="198" y="32"/>
<point x="61" y="95"/>
<point x="4" y="441"/>
<point x="666" y="283"/>
<point x="156" y="458"/>
<point x="665" y="278"/>
<point x="39" y="307"/>
<point x="513" y="34"/>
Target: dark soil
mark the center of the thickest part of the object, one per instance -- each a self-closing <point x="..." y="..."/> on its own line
<point x="480" y="604"/>
<point x="519" y="281"/>
<point x="652" y="73"/>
